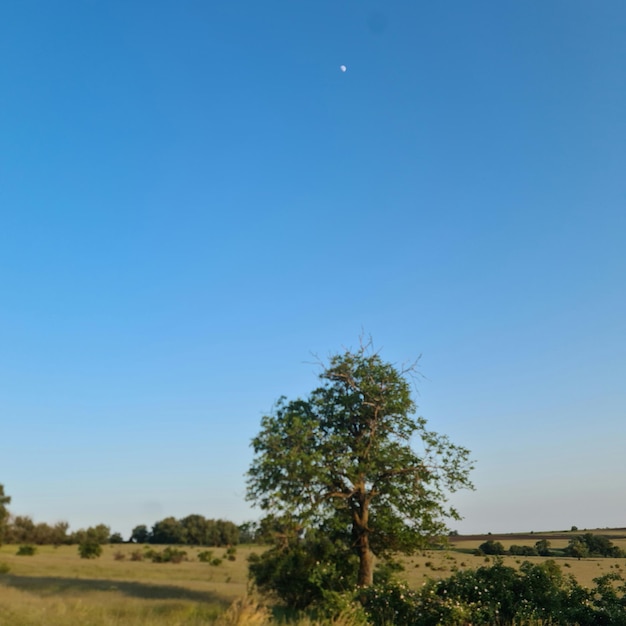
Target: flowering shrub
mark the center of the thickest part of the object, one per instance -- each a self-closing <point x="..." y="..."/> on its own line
<point x="500" y="596"/>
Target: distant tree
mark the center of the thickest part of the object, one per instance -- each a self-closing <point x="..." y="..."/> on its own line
<point x="523" y="551"/>
<point x="247" y="532"/>
<point x="593" y="545"/>
<point x="491" y="547"/>
<point x="116" y="538"/>
<point x="168" y="530"/>
<point x="20" y="529"/>
<point x="60" y="533"/>
<point x="543" y="547"/>
<point x="4" y="513"/>
<point x="94" y="534"/>
<point x="196" y="529"/>
<point x="577" y="548"/>
<point x="342" y="460"/>
<point x="228" y="533"/>
<point x="140" y="534"/>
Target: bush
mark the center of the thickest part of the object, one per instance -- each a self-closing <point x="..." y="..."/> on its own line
<point x="206" y="556"/>
<point x="136" y="555"/>
<point x="5" y="568"/>
<point x="303" y="571"/>
<point x="119" y="556"/>
<point x="169" y="555"/>
<point x="89" y="550"/>
<point x="26" y="550"/>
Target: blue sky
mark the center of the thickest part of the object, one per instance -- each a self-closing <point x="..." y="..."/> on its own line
<point x="194" y="199"/>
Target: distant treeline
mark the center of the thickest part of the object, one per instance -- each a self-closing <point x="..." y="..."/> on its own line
<point x="580" y="546"/>
<point x="22" y="529"/>
<point x="191" y="530"/>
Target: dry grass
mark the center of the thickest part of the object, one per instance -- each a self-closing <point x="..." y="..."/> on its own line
<point x="57" y="588"/>
<point x="66" y="589"/>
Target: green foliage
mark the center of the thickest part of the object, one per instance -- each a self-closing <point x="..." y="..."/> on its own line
<point x="190" y="530"/>
<point x="301" y="572"/>
<point x="94" y="534"/>
<point x="523" y="551"/>
<point x="89" y="549"/>
<point x="116" y="538"/>
<point x="593" y="545"/>
<point x="491" y="547"/>
<point x="22" y="529"/>
<point x="4" y="513"/>
<point x="495" y="595"/>
<point x="5" y="568"/>
<point x="169" y="555"/>
<point x="168" y="530"/>
<point x="140" y="534"/>
<point x="543" y="547"/>
<point x="342" y="460"/>
<point x="26" y="550"/>
<point x="206" y="556"/>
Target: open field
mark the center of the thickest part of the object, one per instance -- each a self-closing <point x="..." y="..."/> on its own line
<point x="442" y="563"/>
<point x="57" y="588"/>
<point x="66" y="589"/>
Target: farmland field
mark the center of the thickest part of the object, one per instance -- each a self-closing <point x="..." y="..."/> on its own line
<point x="57" y="588"/>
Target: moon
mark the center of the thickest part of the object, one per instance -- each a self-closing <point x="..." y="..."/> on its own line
<point x="343" y="68"/>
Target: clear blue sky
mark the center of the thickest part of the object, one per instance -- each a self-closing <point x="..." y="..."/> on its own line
<point x="194" y="198"/>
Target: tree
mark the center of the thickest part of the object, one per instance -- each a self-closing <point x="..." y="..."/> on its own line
<point x="491" y="547"/>
<point x="543" y="547"/>
<point x="4" y="513"/>
<point x="342" y="459"/>
<point x="168" y="530"/>
<point x="140" y="534"/>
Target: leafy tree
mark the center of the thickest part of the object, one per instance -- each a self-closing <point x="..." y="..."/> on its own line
<point x="140" y="534"/>
<point x="247" y="532"/>
<point x="94" y="534"/>
<point x="342" y="459"/>
<point x="523" y="551"/>
<point x="4" y="513"/>
<point x="577" y="548"/>
<point x="593" y="545"/>
<point x="168" y="530"/>
<point x="196" y="530"/>
<point x="491" y="547"/>
<point x="543" y="547"/>
<point x="116" y="538"/>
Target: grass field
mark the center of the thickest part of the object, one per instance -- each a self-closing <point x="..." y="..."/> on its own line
<point x="57" y="588"/>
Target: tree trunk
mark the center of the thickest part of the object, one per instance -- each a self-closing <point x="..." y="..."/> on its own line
<point x="366" y="562"/>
